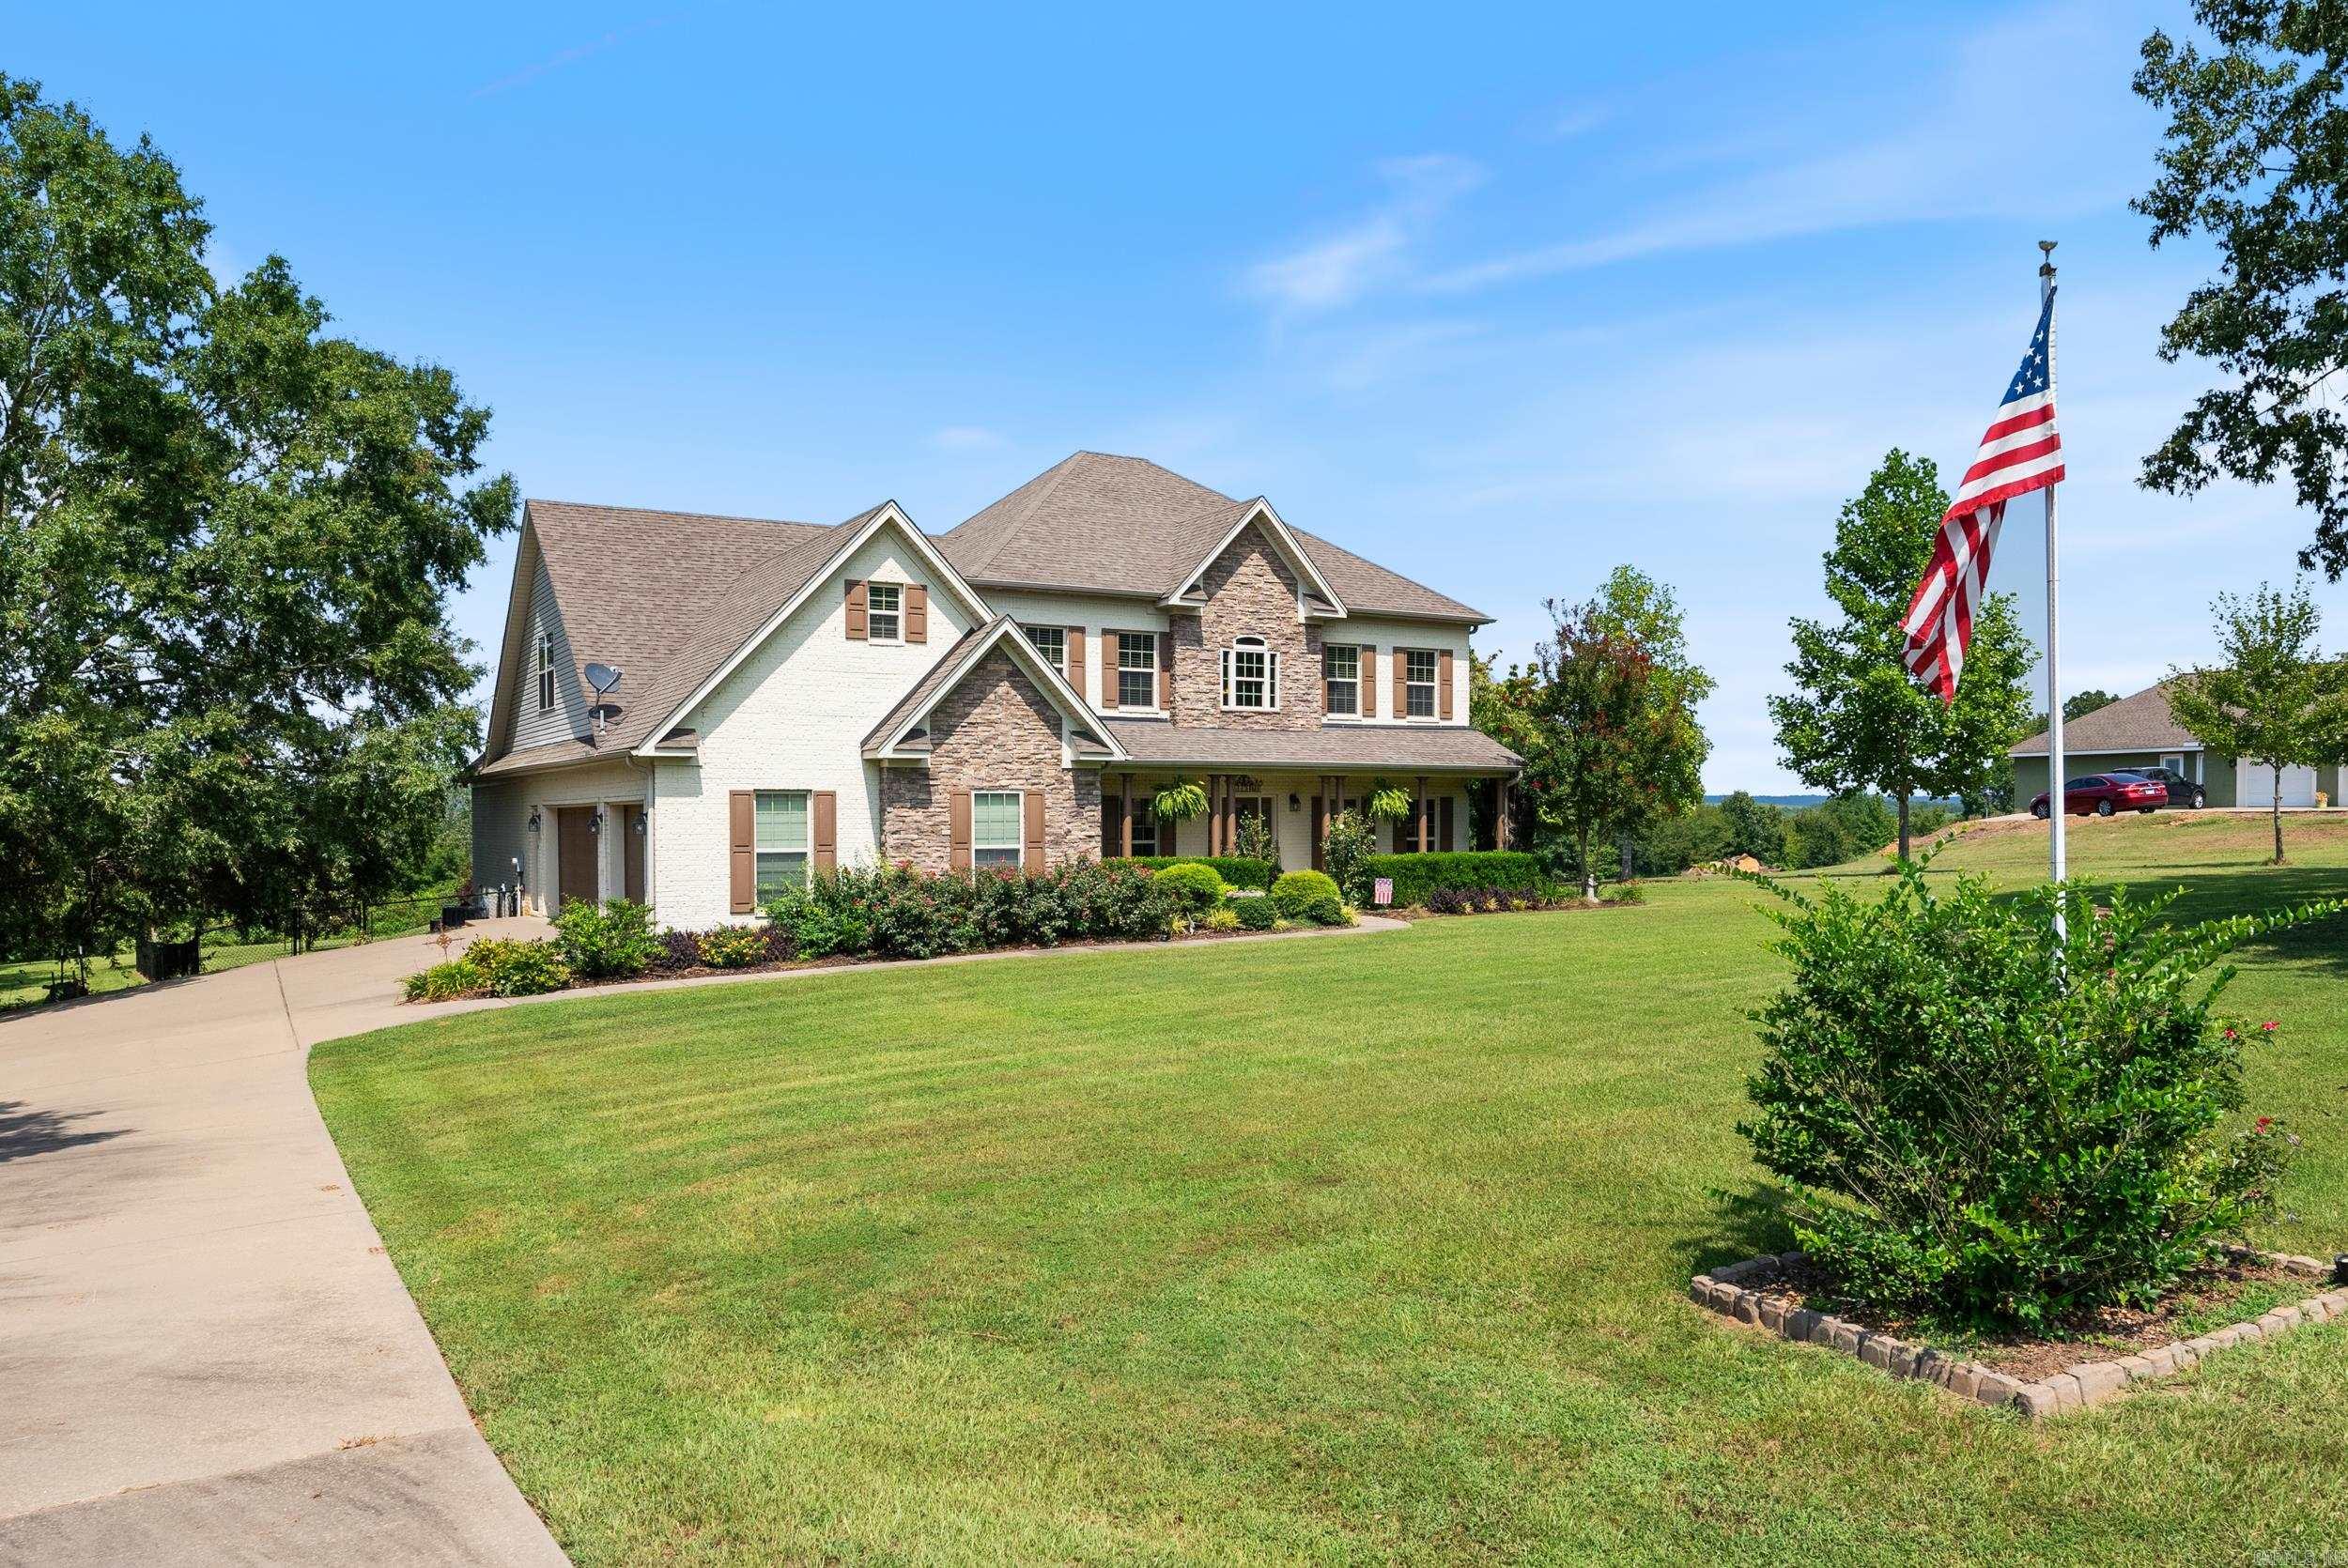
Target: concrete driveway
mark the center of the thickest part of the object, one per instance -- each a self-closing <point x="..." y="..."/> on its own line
<point x="205" y="1354"/>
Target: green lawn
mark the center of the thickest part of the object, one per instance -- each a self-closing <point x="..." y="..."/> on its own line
<point x="1360" y="1250"/>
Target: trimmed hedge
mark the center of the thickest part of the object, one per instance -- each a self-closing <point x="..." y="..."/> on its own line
<point x="1238" y="871"/>
<point x="1416" y="876"/>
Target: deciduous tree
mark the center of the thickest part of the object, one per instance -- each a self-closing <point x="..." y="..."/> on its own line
<point x="1857" y="719"/>
<point x="2274" y="697"/>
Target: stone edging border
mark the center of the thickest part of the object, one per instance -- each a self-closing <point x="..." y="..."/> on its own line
<point x="2074" y="1388"/>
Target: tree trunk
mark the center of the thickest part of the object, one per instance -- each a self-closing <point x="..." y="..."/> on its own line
<point x="1625" y="856"/>
<point x="1902" y="825"/>
<point x="1589" y="872"/>
<point x="2279" y="811"/>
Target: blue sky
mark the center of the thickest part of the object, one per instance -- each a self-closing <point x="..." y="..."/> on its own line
<point x="1500" y="300"/>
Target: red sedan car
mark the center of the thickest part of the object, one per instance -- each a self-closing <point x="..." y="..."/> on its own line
<point x="2104" y="793"/>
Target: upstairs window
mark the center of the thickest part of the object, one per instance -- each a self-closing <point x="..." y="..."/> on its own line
<point x="782" y="842"/>
<point x="1418" y="677"/>
<point x="1136" y="670"/>
<point x="1052" y="642"/>
<point x="545" y="672"/>
<point x="1341" y="678"/>
<point x="1251" y="675"/>
<point x="996" y="819"/>
<point x="884" y="611"/>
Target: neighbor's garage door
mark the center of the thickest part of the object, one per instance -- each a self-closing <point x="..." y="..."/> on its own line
<point x="2256" y="786"/>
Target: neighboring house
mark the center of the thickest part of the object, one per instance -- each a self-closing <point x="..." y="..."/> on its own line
<point x="2137" y="732"/>
<point x="1011" y="693"/>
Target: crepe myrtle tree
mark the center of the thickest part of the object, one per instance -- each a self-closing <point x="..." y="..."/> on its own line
<point x="2253" y="160"/>
<point x="1606" y="746"/>
<point x="1636" y="606"/>
<point x="227" y="672"/>
<point x="1857" y="719"/>
<point x="2274" y="697"/>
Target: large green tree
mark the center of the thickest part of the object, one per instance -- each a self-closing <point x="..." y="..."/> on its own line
<point x="1634" y="606"/>
<point x="2255" y="159"/>
<point x="1857" y="719"/>
<point x="225" y="664"/>
<point x="2274" y="697"/>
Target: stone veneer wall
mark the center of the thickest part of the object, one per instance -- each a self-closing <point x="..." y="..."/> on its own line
<point x="1250" y="591"/>
<point x="994" y="731"/>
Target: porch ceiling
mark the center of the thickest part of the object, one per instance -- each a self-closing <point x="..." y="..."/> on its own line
<point x="1333" y="748"/>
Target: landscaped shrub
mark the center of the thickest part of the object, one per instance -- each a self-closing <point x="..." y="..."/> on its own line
<point x="1974" y="1134"/>
<point x="1624" y="893"/>
<point x="606" y="942"/>
<point x="1191" y="887"/>
<point x="1225" y="918"/>
<point x="894" y="912"/>
<point x="445" y="982"/>
<point x="511" y="968"/>
<point x="1351" y="843"/>
<point x="1236" y="870"/>
<point x="1309" y="899"/>
<point x="732" y="947"/>
<point x="1255" y="914"/>
<point x="832" y="915"/>
<point x="678" y="950"/>
<point x="1417" y="875"/>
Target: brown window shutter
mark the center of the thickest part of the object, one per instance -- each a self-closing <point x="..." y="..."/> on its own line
<point x="1369" y="683"/>
<point x="958" y="831"/>
<point x="742" y="857"/>
<point x="1075" y="670"/>
<point x="1158" y="652"/>
<point x="1401" y="683"/>
<point x="856" y="610"/>
<point x="918" y="618"/>
<point x="827" y="834"/>
<point x="1443" y="691"/>
<point x="1108" y="670"/>
<point x="1445" y="842"/>
<point x="1031" y="859"/>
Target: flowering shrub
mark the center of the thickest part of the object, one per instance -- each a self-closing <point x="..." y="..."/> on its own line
<point x="511" y="968"/>
<point x="1351" y="843"/>
<point x="734" y="946"/>
<point x="1986" y="1124"/>
<point x="898" y="912"/>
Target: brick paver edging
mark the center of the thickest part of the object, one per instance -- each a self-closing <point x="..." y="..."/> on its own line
<point x="2088" y="1383"/>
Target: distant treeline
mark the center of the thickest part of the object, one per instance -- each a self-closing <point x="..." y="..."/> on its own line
<point x="1838" y="828"/>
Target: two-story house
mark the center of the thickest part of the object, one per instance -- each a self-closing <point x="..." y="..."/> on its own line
<point x="1013" y="692"/>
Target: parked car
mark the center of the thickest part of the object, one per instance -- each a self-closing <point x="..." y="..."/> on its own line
<point x="2182" y="790"/>
<point x="2104" y="793"/>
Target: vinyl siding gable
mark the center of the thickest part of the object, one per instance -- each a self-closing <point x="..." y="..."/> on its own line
<point x="568" y="717"/>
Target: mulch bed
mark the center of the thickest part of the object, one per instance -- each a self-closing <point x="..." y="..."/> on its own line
<point x="2201" y="1300"/>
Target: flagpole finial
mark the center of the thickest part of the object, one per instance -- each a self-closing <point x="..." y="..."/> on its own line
<point x="2045" y="249"/>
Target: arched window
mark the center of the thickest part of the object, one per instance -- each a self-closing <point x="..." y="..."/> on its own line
<point x="1251" y="675"/>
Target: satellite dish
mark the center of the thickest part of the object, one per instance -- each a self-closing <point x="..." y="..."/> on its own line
<point x="603" y="677"/>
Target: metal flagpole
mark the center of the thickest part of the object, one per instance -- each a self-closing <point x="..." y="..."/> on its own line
<point x="2055" y="802"/>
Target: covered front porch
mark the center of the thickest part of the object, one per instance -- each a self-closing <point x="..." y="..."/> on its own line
<point x="1449" y="812"/>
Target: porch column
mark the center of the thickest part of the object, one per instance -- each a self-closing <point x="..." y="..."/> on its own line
<point x="1214" y="813"/>
<point x="1499" y="813"/>
<point x="1423" y="813"/>
<point x="1125" y="818"/>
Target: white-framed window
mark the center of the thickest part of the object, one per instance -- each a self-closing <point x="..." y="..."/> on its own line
<point x="545" y="672"/>
<point x="996" y="820"/>
<point x="1052" y="642"/>
<point x="782" y="829"/>
<point x="1251" y="675"/>
<point x="1342" y="679"/>
<point x="1136" y="670"/>
<point x="884" y="611"/>
<point x="1418" y="680"/>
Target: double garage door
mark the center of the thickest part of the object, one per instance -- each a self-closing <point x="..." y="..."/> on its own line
<point x="2254" y="785"/>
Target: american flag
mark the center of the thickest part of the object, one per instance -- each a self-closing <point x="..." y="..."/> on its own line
<point x="2021" y="452"/>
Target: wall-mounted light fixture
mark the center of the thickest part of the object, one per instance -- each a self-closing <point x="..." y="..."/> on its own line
<point x="595" y="823"/>
<point x="1295" y="804"/>
<point x="641" y="821"/>
<point x="533" y="819"/>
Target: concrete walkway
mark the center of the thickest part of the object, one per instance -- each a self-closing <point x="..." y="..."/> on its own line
<point x="205" y="1354"/>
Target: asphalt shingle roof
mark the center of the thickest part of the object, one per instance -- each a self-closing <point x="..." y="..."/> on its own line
<point x="2137" y="723"/>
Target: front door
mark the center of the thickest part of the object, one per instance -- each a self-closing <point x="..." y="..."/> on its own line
<point x="575" y="854"/>
<point x="629" y="820"/>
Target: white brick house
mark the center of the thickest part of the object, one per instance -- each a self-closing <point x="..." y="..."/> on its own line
<point x="1012" y="692"/>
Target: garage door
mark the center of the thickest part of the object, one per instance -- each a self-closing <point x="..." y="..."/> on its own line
<point x="2256" y="786"/>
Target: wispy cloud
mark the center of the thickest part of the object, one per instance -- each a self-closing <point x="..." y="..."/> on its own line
<point x="1567" y="124"/>
<point x="570" y="56"/>
<point x="1372" y="250"/>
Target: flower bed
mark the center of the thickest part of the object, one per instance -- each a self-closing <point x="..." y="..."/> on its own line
<point x="2036" y="1377"/>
